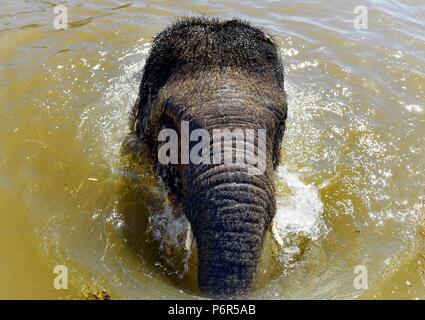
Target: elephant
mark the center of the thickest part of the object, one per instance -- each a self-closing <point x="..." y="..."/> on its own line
<point x="217" y="74"/>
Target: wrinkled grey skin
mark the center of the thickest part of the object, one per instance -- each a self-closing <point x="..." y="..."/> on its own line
<point x="217" y="75"/>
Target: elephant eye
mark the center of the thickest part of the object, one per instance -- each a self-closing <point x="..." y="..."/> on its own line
<point x="266" y="37"/>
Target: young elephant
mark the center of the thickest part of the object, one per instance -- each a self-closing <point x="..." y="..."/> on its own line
<point x="216" y="74"/>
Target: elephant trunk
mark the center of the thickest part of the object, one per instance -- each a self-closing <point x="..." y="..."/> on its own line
<point x="230" y="213"/>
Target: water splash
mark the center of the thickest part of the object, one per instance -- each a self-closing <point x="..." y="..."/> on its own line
<point x="107" y="119"/>
<point x="298" y="215"/>
<point x="169" y="231"/>
<point x="301" y="211"/>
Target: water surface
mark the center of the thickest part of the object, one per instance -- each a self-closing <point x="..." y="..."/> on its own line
<point x="351" y="185"/>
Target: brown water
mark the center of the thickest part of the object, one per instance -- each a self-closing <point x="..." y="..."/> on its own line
<point x="351" y="183"/>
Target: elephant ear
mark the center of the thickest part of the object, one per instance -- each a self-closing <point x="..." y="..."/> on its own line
<point x="277" y="146"/>
<point x="140" y="107"/>
<point x="147" y="110"/>
<point x="156" y="72"/>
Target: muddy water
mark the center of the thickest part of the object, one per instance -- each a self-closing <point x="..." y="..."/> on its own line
<point x="351" y="184"/>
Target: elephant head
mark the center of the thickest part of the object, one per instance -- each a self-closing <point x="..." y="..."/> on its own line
<point x="208" y="74"/>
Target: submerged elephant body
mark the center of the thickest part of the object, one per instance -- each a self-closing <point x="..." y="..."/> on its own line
<point x="217" y="75"/>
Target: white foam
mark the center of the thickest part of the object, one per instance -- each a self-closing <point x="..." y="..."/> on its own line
<point x="300" y="212"/>
<point x="109" y="116"/>
<point x="414" y="108"/>
<point x="170" y="230"/>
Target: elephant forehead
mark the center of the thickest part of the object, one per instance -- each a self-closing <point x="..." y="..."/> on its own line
<point x="225" y="94"/>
